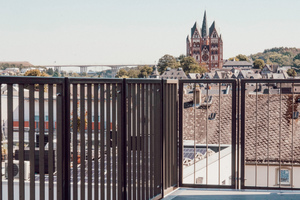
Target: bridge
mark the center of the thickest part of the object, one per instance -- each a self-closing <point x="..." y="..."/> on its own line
<point x="84" y="68"/>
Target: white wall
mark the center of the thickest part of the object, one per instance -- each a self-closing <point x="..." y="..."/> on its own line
<point x="262" y="175"/>
<point x="213" y="169"/>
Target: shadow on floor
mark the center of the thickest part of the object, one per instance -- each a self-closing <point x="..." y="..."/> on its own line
<point x="217" y="194"/>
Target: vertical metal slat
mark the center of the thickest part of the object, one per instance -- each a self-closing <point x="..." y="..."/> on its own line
<point x="151" y="140"/>
<point x="143" y="143"/>
<point x="133" y="137"/>
<point x="82" y="141"/>
<point x="129" y="134"/>
<point x="96" y="143"/>
<point x="147" y="141"/>
<point x="59" y="136"/>
<point x="10" y="141"/>
<point x="89" y="127"/>
<point x="108" y="154"/>
<point x="113" y="142"/>
<point x="102" y="191"/>
<point x="138" y="141"/>
<point x="41" y="142"/>
<point x="21" y="142"/>
<point x="31" y="141"/>
<point x="75" y="152"/>
<point x="51" y="161"/>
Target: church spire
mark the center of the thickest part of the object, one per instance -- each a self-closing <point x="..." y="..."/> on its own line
<point x="204" y="28"/>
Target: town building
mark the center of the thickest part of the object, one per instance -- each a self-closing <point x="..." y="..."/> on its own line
<point x="205" y="45"/>
<point x="238" y="64"/>
<point x="174" y="74"/>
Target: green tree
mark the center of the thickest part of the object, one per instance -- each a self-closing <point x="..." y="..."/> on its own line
<point x="167" y="61"/>
<point x="241" y="57"/>
<point x="190" y="65"/>
<point x="232" y="59"/>
<point x="122" y="73"/>
<point x="291" y="72"/>
<point x="297" y="57"/>
<point x="296" y="63"/>
<point x="50" y="71"/>
<point x="133" y="73"/>
<point x="258" y="64"/>
<point x="179" y="58"/>
<point x="145" y="71"/>
<point x="56" y="73"/>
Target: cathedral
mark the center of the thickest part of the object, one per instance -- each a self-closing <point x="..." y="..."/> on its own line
<point x="205" y="45"/>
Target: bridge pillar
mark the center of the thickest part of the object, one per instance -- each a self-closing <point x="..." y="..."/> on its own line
<point x="83" y="69"/>
<point x="114" y="70"/>
<point x="58" y="68"/>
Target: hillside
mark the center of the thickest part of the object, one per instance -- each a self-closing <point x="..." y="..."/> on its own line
<point x="282" y="56"/>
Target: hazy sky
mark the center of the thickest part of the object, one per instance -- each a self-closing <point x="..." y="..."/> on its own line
<point x="136" y="31"/>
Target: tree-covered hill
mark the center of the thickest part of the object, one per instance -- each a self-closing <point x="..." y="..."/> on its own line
<point x="282" y="56"/>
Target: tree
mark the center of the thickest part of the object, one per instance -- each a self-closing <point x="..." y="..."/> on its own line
<point x="297" y="57"/>
<point x="56" y="73"/>
<point x="190" y="65"/>
<point x="296" y="63"/>
<point x="291" y="72"/>
<point x="241" y="57"/>
<point x="122" y="73"/>
<point x="232" y="59"/>
<point x="133" y="73"/>
<point x="179" y="58"/>
<point x="145" y="71"/>
<point x="50" y="71"/>
<point x="258" y="64"/>
<point x="33" y="72"/>
<point x="167" y="61"/>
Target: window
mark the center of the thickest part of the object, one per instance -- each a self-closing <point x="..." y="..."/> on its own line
<point x="284" y="177"/>
<point x="36" y="118"/>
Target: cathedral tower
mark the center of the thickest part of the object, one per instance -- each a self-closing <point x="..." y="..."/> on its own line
<point x="206" y="46"/>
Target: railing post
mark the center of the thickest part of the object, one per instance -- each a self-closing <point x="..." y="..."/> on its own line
<point x="163" y="139"/>
<point x="66" y="140"/>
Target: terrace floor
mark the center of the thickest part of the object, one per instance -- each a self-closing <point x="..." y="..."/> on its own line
<point x="226" y="194"/>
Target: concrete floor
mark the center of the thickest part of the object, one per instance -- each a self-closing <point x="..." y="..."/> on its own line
<point x="218" y="194"/>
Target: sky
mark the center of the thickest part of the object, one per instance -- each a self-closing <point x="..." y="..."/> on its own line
<point x="47" y="32"/>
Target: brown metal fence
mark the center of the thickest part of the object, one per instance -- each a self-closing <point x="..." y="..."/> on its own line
<point x="270" y="134"/>
<point x="24" y="129"/>
<point x="103" y="138"/>
<point x="207" y="133"/>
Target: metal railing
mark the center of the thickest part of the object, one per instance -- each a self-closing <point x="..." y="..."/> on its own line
<point x="103" y="138"/>
<point x="269" y="134"/>
<point x="207" y="133"/>
<point x="74" y="138"/>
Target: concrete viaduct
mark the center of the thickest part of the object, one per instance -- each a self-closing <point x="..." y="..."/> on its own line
<point x="84" y="68"/>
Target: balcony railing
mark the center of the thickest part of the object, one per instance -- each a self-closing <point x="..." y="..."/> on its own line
<point x="71" y="138"/>
<point x="103" y="138"/>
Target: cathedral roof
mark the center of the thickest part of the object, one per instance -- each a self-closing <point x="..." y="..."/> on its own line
<point x="212" y="27"/>
<point x="188" y="38"/>
<point x="204" y="26"/>
<point x="195" y="27"/>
